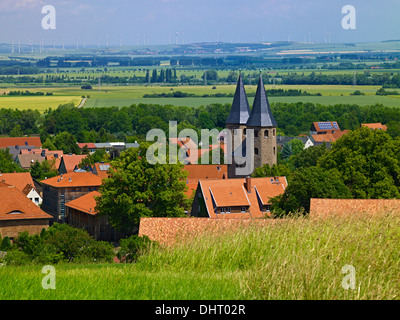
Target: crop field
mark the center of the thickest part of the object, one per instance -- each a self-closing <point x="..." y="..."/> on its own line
<point x="107" y="96"/>
<point x="300" y="258"/>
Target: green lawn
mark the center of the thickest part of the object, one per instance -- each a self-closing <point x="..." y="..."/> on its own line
<point x="294" y="259"/>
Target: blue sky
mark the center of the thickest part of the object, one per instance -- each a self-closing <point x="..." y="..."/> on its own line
<point x="157" y="21"/>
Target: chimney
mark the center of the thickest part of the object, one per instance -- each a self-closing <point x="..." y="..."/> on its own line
<point x="248" y="184"/>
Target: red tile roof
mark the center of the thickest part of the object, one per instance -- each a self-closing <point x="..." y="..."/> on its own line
<point x="326" y="207"/>
<point x="74" y="179"/>
<point x="86" y="203"/>
<point x="89" y="145"/>
<point x="20" y="141"/>
<point x="14" y="205"/>
<point x="318" y="129"/>
<point x="233" y="192"/>
<point x="98" y="169"/>
<point x="375" y="126"/>
<point x="71" y="161"/>
<point x="203" y="171"/>
<point x="18" y="179"/>
<point x="329" y="137"/>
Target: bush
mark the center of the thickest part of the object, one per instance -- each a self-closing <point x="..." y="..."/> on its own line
<point x="134" y="247"/>
<point x="5" y="244"/>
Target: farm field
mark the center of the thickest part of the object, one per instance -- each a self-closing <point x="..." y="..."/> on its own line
<point x="121" y="96"/>
<point x="300" y="258"/>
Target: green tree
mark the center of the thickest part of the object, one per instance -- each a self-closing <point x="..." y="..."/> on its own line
<point x="66" y="141"/>
<point x="7" y="165"/>
<point x="133" y="247"/>
<point x="369" y="162"/>
<point x="307" y="183"/>
<point x="5" y="244"/>
<point x="136" y="188"/>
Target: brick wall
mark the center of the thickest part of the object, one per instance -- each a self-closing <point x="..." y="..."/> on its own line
<point x="11" y="228"/>
<point x="168" y="231"/>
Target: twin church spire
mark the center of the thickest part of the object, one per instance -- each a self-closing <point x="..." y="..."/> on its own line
<point x="259" y="116"/>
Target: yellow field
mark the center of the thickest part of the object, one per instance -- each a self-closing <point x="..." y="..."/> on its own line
<point x="40" y="103"/>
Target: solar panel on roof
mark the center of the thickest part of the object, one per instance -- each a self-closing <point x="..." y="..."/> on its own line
<point x="325" y="125"/>
<point x="335" y="125"/>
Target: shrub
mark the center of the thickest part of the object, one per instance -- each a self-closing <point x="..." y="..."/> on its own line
<point x="5" y="244"/>
<point x="134" y="247"/>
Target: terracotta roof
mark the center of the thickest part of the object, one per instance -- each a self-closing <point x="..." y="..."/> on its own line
<point x="203" y="171"/>
<point x="375" y="126"/>
<point x="89" y="145"/>
<point x="207" y="171"/>
<point x="329" y="137"/>
<point x="20" y="141"/>
<point x="86" y="203"/>
<point x="74" y="179"/>
<point x="14" y="205"/>
<point x="233" y="192"/>
<point x="18" y="179"/>
<point x="101" y="169"/>
<point x="57" y="161"/>
<point x="325" y="207"/>
<point x="71" y="161"/>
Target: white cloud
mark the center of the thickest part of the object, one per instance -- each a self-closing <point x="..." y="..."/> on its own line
<point x="16" y="5"/>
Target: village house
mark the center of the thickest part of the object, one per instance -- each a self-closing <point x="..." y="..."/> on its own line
<point x="19" y="214"/>
<point x="23" y="182"/>
<point x="198" y="172"/>
<point x="378" y="126"/>
<point x="60" y="190"/>
<point x="81" y="213"/>
<point x="236" y="198"/>
<point x="69" y="162"/>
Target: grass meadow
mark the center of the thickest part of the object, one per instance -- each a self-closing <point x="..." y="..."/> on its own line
<point x="296" y="259"/>
<point x="108" y="96"/>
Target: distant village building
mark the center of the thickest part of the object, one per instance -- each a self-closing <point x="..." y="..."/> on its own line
<point x="70" y="162"/>
<point x="81" y="213"/>
<point x="23" y="182"/>
<point x="60" y="190"/>
<point x="378" y="126"/>
<point x="236" y="198"/>
<point x="19" y="214"/>
<point x="327" y="132"/>
<point x="307" y="141"/>
<point x="260" y="119"/>
<point x="203" y="172"/>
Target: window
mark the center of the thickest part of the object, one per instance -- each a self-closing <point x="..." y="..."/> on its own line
<point x="223" y="210"/>
<point x="266" y="134"/>
<point x="274" y="151"/>
<point x="243" y="209"/>
<point x="37" y="200"/>
<point x="255" y="150"/>
<point x="226" y="210"/>
<point x="244" y="131"/>
<point x="256" y="133"/>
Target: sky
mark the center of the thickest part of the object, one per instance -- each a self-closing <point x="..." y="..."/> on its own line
<point x="156" y="22"/>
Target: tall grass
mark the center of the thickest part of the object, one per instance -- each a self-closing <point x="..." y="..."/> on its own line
<point x="298" y="258"/>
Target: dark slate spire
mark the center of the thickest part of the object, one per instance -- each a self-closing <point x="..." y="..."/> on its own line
<point x="261" y="115"/>
<point x="240" y="107"/>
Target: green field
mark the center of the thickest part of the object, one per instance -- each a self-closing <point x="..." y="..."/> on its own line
<point x="107" y="96"/>
<point x="291" y="259"/>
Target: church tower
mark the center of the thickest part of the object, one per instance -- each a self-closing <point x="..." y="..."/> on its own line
<point x="237" y="118"/>
<point x="264" y="125"/>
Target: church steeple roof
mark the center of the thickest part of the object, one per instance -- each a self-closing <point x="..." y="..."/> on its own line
<point x="261" y="115"/>
<point x="240" y="107"/>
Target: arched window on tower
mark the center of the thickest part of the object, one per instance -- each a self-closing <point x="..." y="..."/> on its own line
<point x="274" y="132"/>
<point x="266" y="134"/>
<point x="255" y="150"/>
<point x="274" y="151"/>
<point x="256" y="133"/>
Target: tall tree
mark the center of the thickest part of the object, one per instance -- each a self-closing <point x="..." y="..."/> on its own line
<point x="136" y="188"/>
